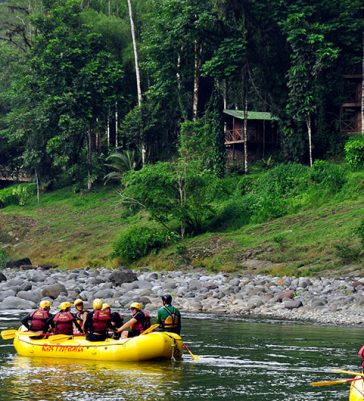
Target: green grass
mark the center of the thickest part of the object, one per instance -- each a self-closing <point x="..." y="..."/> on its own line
<point x="66" y="229"/>
<point x="73" y="230"/>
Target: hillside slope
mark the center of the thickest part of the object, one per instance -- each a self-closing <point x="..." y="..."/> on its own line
<point x="73" y="230"/>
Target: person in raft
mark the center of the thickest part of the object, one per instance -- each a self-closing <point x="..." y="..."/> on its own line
<point x="97" y="322"/>
<point x="81" y="313"/>
<point x="38" y="320"/>
<point x="168" y="316"/>
<point x="140" y="321"/>
<point x="64" y="321"/>
<point x="116" y="319"/>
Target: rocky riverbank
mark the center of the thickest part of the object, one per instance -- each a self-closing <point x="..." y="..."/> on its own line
<point x="321" y="300"/>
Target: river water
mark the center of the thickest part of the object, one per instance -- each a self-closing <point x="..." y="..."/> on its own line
<point x="241" y="360"/>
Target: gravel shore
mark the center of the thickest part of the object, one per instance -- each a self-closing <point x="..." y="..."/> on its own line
<point x="337" y="301"/>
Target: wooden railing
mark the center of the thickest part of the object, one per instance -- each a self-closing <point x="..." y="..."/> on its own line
<point x="234" y="136"/>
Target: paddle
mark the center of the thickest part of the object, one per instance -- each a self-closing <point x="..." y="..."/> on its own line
<point x="10" y="334"/>
<point x="348" y="372"/>
<point x="194" y="357"/>
<point x="56" y="338"/>
<point x="329" y="383"/>
<point x="150" y="329"/>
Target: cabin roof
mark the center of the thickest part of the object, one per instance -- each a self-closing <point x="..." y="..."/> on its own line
<point x="252" y="115"/>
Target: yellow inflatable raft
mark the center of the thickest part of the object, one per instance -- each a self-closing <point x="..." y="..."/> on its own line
<point x="156" y="345"/>
<point x="357" y="390"/>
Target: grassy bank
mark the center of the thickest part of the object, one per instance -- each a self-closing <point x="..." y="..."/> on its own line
<point x="72" y="230"/>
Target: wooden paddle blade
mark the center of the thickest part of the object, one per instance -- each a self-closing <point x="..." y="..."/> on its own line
<point x="150" y="329"/>
<point x="341" y="381"/>
<point x="8" y="334"/>
<point x="194" y="357"/>
<point x="329" y="383"/>
<point x="348" y="372"/>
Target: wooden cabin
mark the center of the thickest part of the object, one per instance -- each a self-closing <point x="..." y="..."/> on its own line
<point x="262" y="136"/>
<point x="350" y="111"/>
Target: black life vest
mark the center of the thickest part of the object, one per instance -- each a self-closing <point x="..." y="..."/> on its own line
<point x="101" y="321"/>
<point x="139" y="327"/>
<point x="172" y="320"/>
<point x="64" y="323"/>
<point x="39" y="320"/>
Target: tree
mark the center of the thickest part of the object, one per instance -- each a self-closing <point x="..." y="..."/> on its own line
<point x="311" y="54"/>
<point x="73" y="81"/>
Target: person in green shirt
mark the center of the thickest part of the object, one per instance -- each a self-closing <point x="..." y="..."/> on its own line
<point x="169" y="317"/>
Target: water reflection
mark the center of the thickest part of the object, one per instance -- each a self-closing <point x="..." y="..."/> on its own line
<point x="61" y="379"/>
<point x="240" y="361"/>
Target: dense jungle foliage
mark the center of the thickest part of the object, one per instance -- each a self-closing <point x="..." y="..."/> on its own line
<point x="133" y="92"/>
<point x="70" y="96"/>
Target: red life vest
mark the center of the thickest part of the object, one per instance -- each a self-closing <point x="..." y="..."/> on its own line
<point x="39" y="320"/>
<point x="141" y="326"/>
<point x="101" y="321"/>
<point x="64" y="323"/>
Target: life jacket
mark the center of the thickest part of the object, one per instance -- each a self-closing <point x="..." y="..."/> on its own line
<point x="139" y="326"/>
<point x="172" y="320"/>
<point x="64" y="322"/>
<point x="100" y="321"/>
<point x="39" y="320"/>
<point x="79" y="317"/>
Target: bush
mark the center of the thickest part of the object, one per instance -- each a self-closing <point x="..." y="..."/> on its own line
<point x="139" y="241"/>
<point x="3" y="258"/>
<point x="284" y="180"/>
<point x="347" y="253"/>
<point x="329" y="176"/>
<point x="360" y="232"/>
<point x="354" y="152"/>
<point x="233" y="214"/>
<point x="16" y="195"/>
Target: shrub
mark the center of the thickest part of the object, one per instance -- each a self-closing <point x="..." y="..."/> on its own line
<point x="16" y="195"/>
<point x="329" y="176"/>
<point x="139" y="241"/>
<point x="232" y="214"/>
<point x="284" y="180"/>
<point x="346" y="253"/>
<point x="354" y="151"/>
<point x="360" y="232"/>
<point x="3" y="258"/>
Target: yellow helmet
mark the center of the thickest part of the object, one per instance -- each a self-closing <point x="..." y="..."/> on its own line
<point x="64" y="305"/>
<point x="45" y="304"/>
<point x="78" y="302"/>
<point x="97" y="304"/>
<point x="105" y="306"/>
<point x="136" y="305"/>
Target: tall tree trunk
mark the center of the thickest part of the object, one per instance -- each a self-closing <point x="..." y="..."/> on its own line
<point x="245" y="135"/>
<point x="196" y="80"/>
<point x="116" y="125"/>
<point x="37" y="184"/>
<point x="89" y="159"/>
<point x="362" y="86"/>
<point x="137" y="71"/>
<point x="224" y="97"/>
<point x="309" y="133"/>
<point x="183" y="111"/>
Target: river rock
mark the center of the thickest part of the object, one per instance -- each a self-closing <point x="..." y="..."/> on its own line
<point x="2" y="277"/>
<point x="292" y="304"/>
<point x="29" y="296"/>
<point x="16" y="303"/>
<point x="54" y="290"/>
<point x="17" y="263"/>
<point x="121" y="276"/>
<point x="7" y="293"/>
